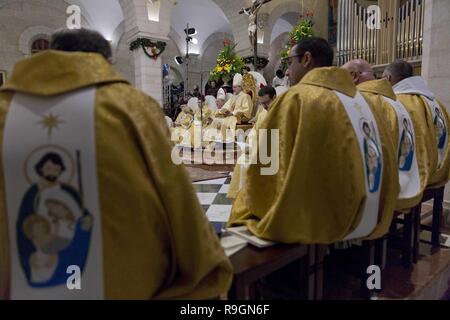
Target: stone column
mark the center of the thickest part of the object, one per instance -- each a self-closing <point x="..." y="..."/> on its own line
<point x="436" y="53"/>
<point x="436" y="48"/>
<point x="155" y="26"/>
<point x="148" y="74"/>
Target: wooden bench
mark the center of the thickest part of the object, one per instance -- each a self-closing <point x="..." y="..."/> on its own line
<point x="252" y="264"/>
<point x="412" y="226"/>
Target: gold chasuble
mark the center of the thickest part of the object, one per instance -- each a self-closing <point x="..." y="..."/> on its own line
<point x="240" y="106"/>
<point x="412" y="157"/>
<point x="237" y="109"/>
<point x="182" y="125"/>
<point x="240" y="170"/>
<point x="320" y="192"/>
<point x="431" y="122"/>
<point x="156" y="241"/>
<point x="202" y="119"/>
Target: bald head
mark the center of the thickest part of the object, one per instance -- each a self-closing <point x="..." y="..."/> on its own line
<point x="398" y="71"/>
<point x="360" y="70"/>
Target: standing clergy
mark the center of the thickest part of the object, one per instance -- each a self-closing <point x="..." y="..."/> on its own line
<point x="322" y="192"/>
<point x="430" y="118"/>
<point x="411" y="157"/>
<point x="88" y="189"/>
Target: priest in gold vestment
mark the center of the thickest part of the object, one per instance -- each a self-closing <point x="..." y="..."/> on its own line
<point x="184" y="122"/>
<point x="320" y="188"/>
<point x="157" y="242"/>
<point x="376" y="92"/>
<point x="430" y="118"/>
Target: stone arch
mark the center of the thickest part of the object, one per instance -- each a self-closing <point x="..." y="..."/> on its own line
<point x="218" y="36"/>
<point x="210" y="50"/>
<point x="122" y="61"/>
<point x="30" y="35"/>
<point x="280" y="10"/>
<point x="274" y="58"/>
<point x="117" y="37"/>
<point x="239" y="24"/>
<point x="172" y="51"/>
<point x="176" y="69"/>
<point x="178" y="41"/>
<point x="137" y="20"/>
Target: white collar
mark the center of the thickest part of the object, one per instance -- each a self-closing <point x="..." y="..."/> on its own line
<point x="413" y="85"/>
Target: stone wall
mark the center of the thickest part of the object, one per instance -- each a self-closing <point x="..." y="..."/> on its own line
<point x="22" y="17"/>
<point x="436" y="61"/>
<point x="23" y="21"/>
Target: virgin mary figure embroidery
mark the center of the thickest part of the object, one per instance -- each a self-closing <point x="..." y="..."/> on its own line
<point x="372" y="156"/>
<point x="441" y="129"/>
<point x="406" y="148"/>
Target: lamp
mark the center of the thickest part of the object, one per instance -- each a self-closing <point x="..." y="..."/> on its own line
<point x="179" y="60"/>
<point x="190" y="31"/>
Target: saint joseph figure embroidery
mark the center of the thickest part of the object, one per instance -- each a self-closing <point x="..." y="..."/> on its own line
<point x="53" y="227"/>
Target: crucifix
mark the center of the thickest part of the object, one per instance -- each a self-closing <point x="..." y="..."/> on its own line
<point x="252" y="13"/>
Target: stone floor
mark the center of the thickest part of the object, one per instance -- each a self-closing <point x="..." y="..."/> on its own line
<point x="429" y="279"/>
<point x="212" y="195"/>
<point x="204" y="172"/>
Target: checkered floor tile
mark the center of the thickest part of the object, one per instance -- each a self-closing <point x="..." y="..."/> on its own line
<point x="213" y="198"/>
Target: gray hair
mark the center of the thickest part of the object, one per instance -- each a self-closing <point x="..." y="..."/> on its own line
<point x="399" y="70"/>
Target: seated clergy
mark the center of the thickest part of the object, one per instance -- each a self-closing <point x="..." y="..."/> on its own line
<point x="240" y="105"/>
<point x="211" y="103"/>
<point x="202" y="119"/>
<point x="267" y="96"/>
<point x="222" y="98"/>
<point x="331" y="177"/>
<point x="185" y="117"/>
<point x="90" y="198"/>
<point x="182" y="127"/>
<point x="430" y="118"/>
<point x="411" y="157"/>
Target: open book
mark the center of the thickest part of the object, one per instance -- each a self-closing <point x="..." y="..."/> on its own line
<point x="244" y="233"/>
